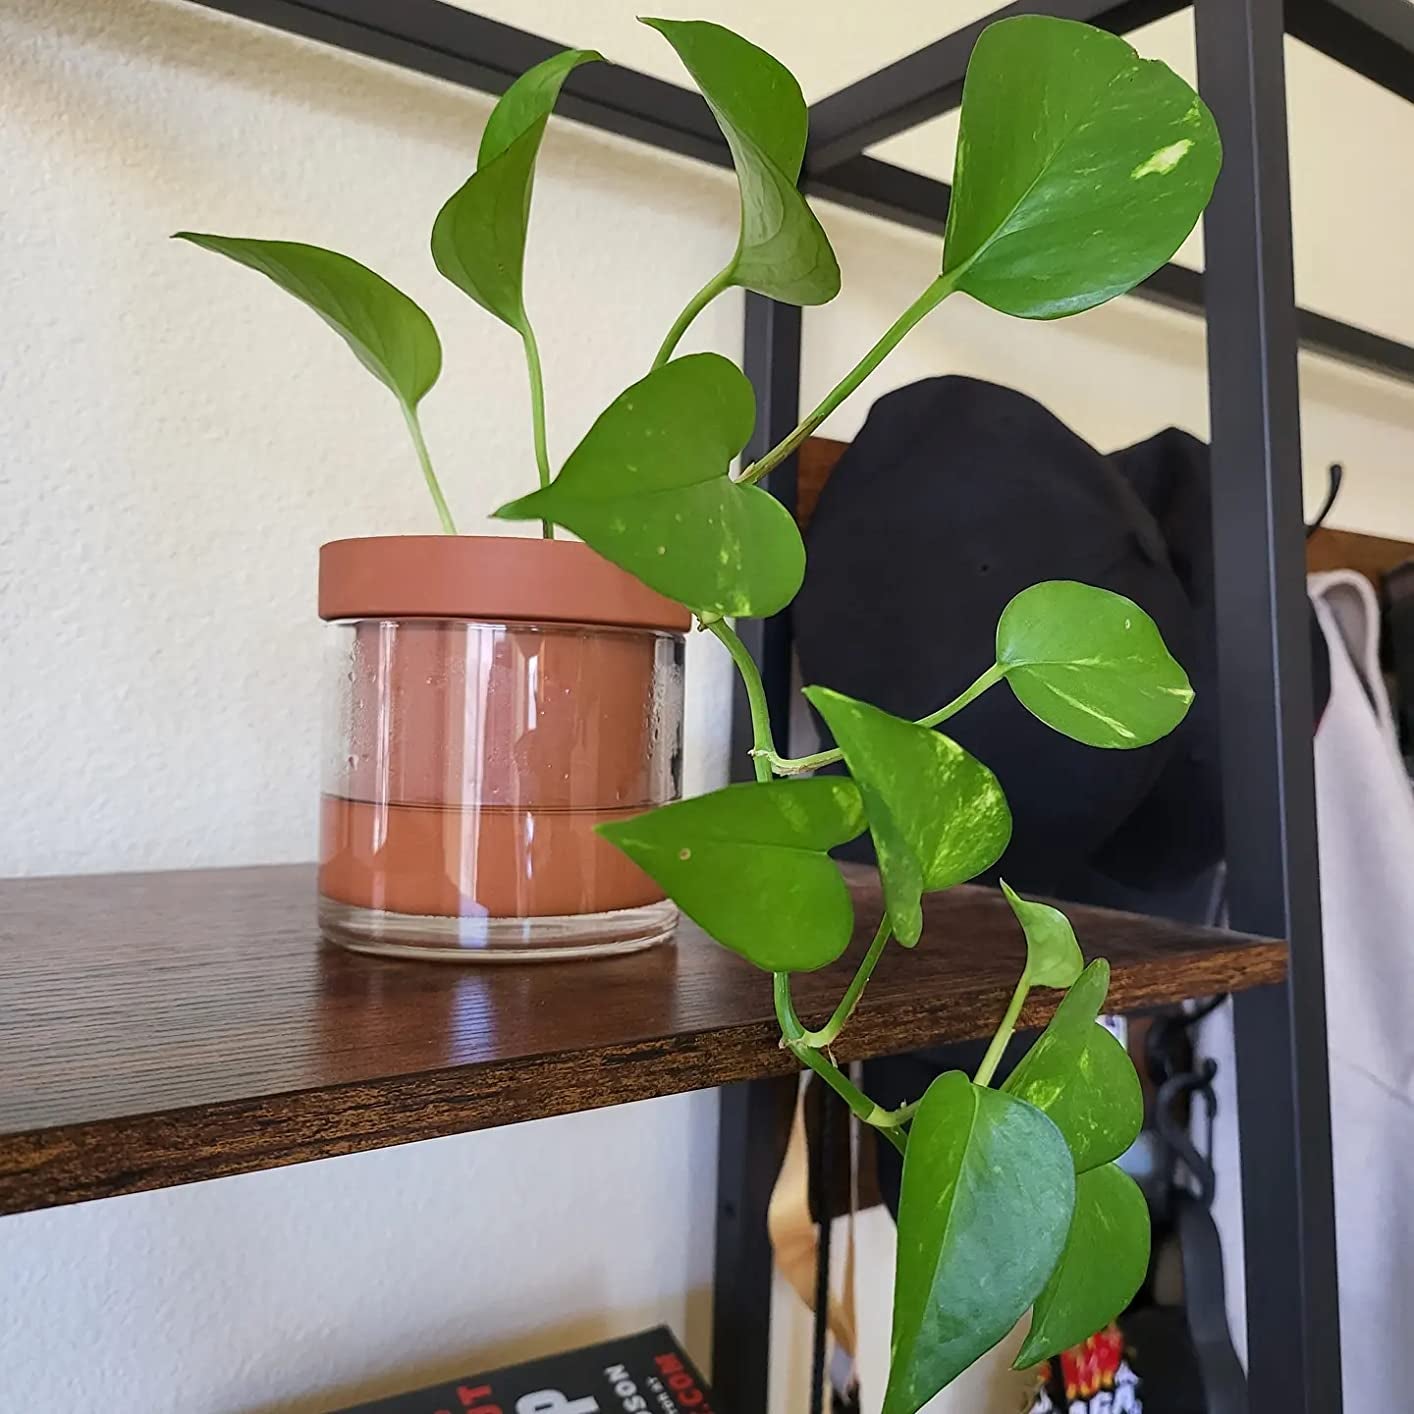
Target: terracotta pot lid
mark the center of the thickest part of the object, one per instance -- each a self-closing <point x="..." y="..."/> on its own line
<point x="496" y="578"/>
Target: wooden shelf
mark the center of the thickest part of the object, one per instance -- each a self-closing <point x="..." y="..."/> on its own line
<point x="164" y="1028"/>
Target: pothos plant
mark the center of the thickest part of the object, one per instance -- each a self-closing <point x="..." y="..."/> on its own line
<point x="1080" y="169"/>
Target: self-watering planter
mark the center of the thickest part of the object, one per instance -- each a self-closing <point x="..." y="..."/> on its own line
<point x="488" y="703"/>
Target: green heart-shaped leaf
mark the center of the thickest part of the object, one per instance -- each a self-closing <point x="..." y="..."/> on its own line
<point x="1052" y="955"/>
<point x="748" y="863"/>
<point x="389" y="335"/>
<point x="937" y="814"/>
<point x="1105" y="1258"/>
<point x="1080" y="168"/>
<point x="986" y="1202"/>
<point x="478" y="239"/>
<point x="531" y="97"/>
<point x="782" y="250"/>
<point x="1080" y="1075"/>
<point x="648" y="489"/>
<point x="1091" y="664"/>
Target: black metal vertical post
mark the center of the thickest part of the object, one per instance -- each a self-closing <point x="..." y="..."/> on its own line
<point x="753" y="1125"/>
<point x="750" y="1126"/>
<point x="821" y="1192"/>
<point x="1265" y="677"/>
<point x="771" y="359"/>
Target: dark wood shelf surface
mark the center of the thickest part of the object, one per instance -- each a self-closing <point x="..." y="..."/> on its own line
<point x="165" y="1028"/>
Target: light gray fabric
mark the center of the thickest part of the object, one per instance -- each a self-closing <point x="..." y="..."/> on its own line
<point x="1365" y="817"/>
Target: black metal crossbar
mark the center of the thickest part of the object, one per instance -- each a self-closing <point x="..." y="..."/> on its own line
<point x="928" y="82"/>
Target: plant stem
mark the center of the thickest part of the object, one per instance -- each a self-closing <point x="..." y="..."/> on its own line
<point x="755" y="696"/>
<point x="928" y="301"/>
<point x="993" y="1058"/>
<point x="990" y="678"/>
<point x="826" y="1035"/>
<point x="793" y="765"/>
<point x="793" y="1033"/>
<point x="791" y="1029"/>
<point x="859" y="1103"/>
<point x="415" y="431"/>
<point x="719" y="282"/>
<point x="537" y="414"/>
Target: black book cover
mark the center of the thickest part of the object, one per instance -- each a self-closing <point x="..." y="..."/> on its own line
<point x="647" y="1373"/>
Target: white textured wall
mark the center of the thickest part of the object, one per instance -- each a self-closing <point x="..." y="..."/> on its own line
<point x="177" y="440"/>
<point x="351" y="1278"/>
<point x="179" y="436"/>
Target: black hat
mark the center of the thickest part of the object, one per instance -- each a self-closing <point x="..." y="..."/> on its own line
<point x="955" y="496"/>
<point x="1176" y="831"/>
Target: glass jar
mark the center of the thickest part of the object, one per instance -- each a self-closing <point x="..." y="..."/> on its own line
<point x="488" y="703"/>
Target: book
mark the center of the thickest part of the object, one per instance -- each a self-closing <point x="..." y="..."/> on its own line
<point x="646" y="1373"/>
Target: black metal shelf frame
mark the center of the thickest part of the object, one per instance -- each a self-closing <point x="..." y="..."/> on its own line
<point x="1247" y="297"/>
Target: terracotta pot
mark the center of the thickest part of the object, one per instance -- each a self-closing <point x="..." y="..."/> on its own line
<point x="489" y="702"/>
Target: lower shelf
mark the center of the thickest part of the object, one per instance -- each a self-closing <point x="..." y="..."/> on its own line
<point x="165" y="1028"/>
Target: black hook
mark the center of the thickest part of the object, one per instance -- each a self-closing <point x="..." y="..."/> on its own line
<point x="1335" y="474"/>
<point x="1174" y="1133"/>
<point x="1168" y="1046"/>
